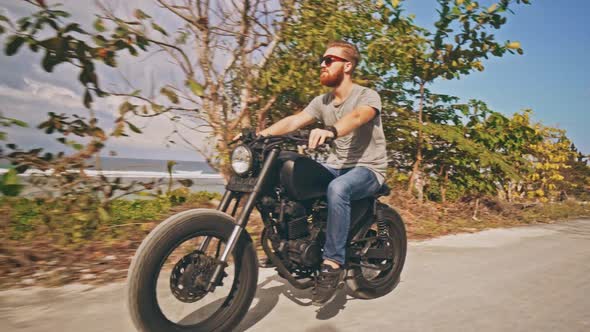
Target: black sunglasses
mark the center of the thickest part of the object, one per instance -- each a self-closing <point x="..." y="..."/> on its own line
<point x="329" y="59"/>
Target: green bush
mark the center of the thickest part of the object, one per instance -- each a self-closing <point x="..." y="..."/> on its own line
<point x="183" y="195"/>
<point x="203" y="197"/>
<point x="433" y="191"/>
<point x="74" y="219"/>
<point x="67" y="219"/>
<point x="25" y="214"/>
<point x="146" y="209"/>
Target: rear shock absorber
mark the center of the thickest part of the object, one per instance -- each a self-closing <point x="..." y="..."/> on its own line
<point x="382" y="229"/>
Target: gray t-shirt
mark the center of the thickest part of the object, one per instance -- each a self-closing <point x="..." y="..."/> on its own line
<point x="364" y="146"/>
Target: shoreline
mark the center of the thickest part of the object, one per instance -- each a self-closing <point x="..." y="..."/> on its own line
<point x="201" y="181"/>
<point x="128" y="174"/>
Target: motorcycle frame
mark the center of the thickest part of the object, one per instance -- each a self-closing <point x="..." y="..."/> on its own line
<point x="242" y="218"/>
<point x="242" y="222"/>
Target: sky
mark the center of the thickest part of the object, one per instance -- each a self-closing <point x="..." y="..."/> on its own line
<point x="551" y="78"/>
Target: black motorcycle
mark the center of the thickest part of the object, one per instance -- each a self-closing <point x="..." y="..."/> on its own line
<point x="203" y="263"/>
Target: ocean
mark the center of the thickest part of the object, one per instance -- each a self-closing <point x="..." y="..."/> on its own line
<point x="130" y="169"/>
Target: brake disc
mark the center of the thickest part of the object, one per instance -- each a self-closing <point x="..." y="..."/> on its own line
<point x="190" y="276"/>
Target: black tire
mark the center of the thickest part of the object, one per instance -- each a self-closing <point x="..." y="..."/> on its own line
<point x="153" y="251"/>
<point x="357" y="285"/>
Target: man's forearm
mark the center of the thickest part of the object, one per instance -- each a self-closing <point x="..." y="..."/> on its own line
<point x="282" y="127"/>
<point x="353" y="120"/>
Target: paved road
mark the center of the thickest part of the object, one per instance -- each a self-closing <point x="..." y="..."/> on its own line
<point x="532" y="278"/>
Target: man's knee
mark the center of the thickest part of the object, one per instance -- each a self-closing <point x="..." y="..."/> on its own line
<point x="338" y="189"/>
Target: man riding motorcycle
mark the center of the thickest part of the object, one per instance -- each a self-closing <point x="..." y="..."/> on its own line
<point x="351" y="114"/>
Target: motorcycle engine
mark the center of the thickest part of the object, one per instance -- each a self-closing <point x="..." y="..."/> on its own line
<point x="303" y="246"/>
<point x="300" y="240"/>
<point x="306" y="252"/>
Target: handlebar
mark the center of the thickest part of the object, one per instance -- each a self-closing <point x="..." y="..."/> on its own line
<point x="299" y="137"/>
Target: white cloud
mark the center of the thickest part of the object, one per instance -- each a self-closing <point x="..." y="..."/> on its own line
<point x="41" y="91"/>
<point x="36" y="98"/>
<point x="60" y="91"/>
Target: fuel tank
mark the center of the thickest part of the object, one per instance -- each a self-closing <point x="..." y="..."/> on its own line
<point x="303" y="178"/>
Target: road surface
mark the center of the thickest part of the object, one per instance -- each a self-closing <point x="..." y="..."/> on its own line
<point x="532" y="278"/>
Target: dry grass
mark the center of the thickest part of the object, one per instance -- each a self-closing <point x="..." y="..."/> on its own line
<point x="428" y="219"/>
<point x="38" y="262"/>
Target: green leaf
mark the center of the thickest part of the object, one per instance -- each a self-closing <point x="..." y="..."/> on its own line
<point x="10" y="177"/>
<point x="80" y="216"/>
<point x="110" y="60"/>
<point x="13" y="45"/>
<point x="132" y="50"/>
<point x="74" y="27"/>
<point x="99" y="40"/>
<point x="85" y="75"/>
<point x="170" y="94"/>
<point x="48" y="62"/>
<point x="19" y="123"/>
<point x="140" y="15"/>
<point x="120" y="44"/>
<point x="53" y="24"/>
<point x="12" y="190"/>
<point x="53" y="43"/>
<point x="159" y="29"/>
<point x="87" y="98"/>
<point x="196" y="88"/>
<point x="60" y="13"/>
<point x="103" y="215"/>
<point x="126" y="107"/>
<point x="133" y="127"/>
<point x="141" y="42"/>
<point x="99" y="25"/>
<point x="186" y="182"/>
<point x="169" y="165"/>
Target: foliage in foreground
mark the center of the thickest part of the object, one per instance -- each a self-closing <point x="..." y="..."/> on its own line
<point x="71" y="224"/>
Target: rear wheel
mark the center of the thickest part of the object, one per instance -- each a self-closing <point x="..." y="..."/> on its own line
<point x="369" y="278"/>
<point x="169" y="273"/>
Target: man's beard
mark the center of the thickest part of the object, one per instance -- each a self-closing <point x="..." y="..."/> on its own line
<point x="332" y="80"/>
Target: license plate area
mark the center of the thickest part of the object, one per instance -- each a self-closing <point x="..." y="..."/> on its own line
<point x="240" y="184"/>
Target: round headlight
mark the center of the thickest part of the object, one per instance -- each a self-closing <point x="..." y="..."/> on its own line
<point x="241" y="160"/>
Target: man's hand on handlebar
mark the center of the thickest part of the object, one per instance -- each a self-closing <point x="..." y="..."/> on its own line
<point x="236" y="138"/>
<point x="249" y="133"/>
<point x="314" y="139"/>
<point x="318" y="137"/>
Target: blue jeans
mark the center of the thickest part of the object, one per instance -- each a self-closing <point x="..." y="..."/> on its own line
<point x="350" y="184"/>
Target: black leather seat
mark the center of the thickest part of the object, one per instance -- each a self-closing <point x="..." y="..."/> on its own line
<point x="383" y="191"/>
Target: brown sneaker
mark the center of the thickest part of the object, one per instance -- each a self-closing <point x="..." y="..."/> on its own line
<point x="326" y="284"/>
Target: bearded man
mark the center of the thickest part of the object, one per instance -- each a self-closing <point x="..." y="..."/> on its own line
<point x="351" y="114"/>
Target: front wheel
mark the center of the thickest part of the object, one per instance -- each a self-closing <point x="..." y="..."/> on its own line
<point x="168" y="276"/>
<point x="369" y="278"/>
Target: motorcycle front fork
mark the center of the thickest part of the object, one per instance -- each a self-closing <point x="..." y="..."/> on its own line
<point x="241" y="220"/>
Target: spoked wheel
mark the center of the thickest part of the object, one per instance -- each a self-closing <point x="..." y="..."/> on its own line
<point x="169" y="275"/>
<point x="376" y="271"/>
